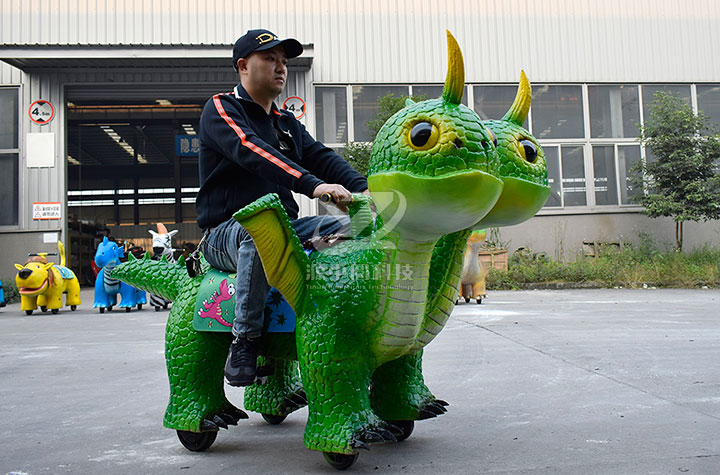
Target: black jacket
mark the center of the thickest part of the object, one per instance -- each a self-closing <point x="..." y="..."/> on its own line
<point x="241" y="158"/>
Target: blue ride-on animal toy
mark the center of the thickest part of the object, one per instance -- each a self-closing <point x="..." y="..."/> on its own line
<point x="108" y="256"/>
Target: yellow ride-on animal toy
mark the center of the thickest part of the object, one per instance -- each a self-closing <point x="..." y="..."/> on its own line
<point x="42" y="283"/>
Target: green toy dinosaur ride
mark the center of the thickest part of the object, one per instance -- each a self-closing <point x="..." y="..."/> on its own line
<point x="365" y="307"/>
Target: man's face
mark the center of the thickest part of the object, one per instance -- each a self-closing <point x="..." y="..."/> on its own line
<point x="264" y="71"/>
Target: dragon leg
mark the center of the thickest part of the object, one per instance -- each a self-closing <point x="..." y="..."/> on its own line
<point x="281" y="394"/>
<point x="398" y="391"/>
<point x="195" y="362"/>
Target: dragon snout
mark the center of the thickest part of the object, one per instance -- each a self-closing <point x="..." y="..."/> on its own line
<point x="25" y="273"/>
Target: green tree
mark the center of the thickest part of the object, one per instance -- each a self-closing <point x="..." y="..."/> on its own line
<point x="681" y="178"/>
<point x="358" y="153"/>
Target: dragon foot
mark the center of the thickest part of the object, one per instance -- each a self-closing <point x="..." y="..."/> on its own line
<point x="375" y="434"/>
<point x="228" y="416"/>
<point x="434" y="408"/>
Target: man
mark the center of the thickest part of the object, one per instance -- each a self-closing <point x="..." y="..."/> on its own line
<point x="248" y="148"/>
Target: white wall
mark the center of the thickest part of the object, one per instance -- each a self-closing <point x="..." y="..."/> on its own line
<point x="404" y="40"/>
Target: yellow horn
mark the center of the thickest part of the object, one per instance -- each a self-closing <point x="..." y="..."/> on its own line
<point x="455" y="80"/>
<point x="519" y="109"/>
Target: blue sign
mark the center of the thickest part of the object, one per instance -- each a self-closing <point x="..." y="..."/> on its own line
<point x="187" y="145"/>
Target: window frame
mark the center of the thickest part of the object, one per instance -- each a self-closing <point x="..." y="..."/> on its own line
<point x="16" y="152"/>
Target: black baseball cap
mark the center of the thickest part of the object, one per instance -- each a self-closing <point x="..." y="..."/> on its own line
<point x="261" y="40"/>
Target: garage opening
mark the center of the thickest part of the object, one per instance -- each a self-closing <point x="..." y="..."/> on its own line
<point x="131" y="164"/>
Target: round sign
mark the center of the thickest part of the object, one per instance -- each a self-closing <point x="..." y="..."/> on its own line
<point x="41" y="112"/>
<point x="295" y="105"/>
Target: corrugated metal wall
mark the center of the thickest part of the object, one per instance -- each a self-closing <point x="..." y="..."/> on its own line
<point x="403" y="41"/>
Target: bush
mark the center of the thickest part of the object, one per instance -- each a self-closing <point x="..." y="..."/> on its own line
<point x="629" y="267"/>
<point x="11" y="293"/>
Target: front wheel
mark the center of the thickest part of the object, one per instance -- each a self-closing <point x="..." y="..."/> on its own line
<point x="28" y="312"/>
<point x="196" y="441"/>
<point x="73" y="307"/>
<point x="139" y="306"/>
<point x="102" y="309"/>
<point x="340" y="461"/>
<point x="405" y="426"/>
<point x="43" y="308"/>
<point x="55" y="311"/>
<point x="272" y="419"/>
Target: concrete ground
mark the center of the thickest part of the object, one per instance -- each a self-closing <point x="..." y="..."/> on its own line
<point x="548" y="382"/>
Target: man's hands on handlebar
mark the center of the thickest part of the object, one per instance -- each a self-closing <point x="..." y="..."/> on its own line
<point x="341" y="197"/>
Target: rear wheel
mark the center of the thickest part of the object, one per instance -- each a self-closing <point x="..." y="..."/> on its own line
<point x="273" y="419"/>
<point x="28" y="312"/>
<point x="340" y="461"/>
<point x="55" y="310"/>
<point x="43" y="308"/>
<point x="73" y="307"/>
<point x="196" y="441"/>
<point x="102" y="309"/>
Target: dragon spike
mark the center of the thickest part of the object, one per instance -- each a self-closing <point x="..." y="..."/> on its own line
<point x="163" y="258"/>
<point x="161" y="228"/>
<point x="131" y="256"/>
<point x="146" y="256"/>
<point x="518" y="111"/>
<point x="455" y="79"/>
<point x="181" y="260"/>
<point x="409" y="102"/>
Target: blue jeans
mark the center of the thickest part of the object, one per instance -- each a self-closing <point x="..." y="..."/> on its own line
<point x="229" y="247"/>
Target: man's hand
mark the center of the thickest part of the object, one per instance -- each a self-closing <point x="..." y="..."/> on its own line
<point x="341" y="196"/>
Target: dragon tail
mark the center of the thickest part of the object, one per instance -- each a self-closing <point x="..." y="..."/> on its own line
<point x="159" y="277"/>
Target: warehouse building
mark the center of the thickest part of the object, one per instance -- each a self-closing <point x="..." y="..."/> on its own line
<point x="101" y="102"/>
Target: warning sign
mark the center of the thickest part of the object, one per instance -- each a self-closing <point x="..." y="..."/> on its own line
<point x="41" y="112"/>
<point x="47" y="210"/>
<point x="295" y="105"/>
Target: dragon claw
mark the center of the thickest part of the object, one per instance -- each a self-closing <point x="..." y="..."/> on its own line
<point x="442" y="403"/>
<point x="218" y="421"/>
<point x="359" y="444"/>
<point x="425" y="414"/>
<point x="208" y="426"/>
<point x="228" y="419"/>
<point x="235" y="413"/>
<point x="432" y="409"/>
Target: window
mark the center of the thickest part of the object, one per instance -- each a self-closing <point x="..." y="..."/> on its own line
<point x="566" y="175"/>
<point x="649" y="95"/>
<point x="605" y="176"/>
<point x="557" y="112"/>
<point x="614" y="111"/>
<point x="628" y="157"/>
<point x="708" y="100"/>
<point x="365" y="106"/>
<point x="492" y="102"/>
<point x="9" y="154"/>
<point x="434" y="92"/>
<point x="331" y="114"/>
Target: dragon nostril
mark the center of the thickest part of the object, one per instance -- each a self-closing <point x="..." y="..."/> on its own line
<point x="458" y="143"/>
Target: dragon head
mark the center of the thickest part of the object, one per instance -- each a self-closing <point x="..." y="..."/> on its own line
<point x="433" y="166"/>
<point x="523" y="168"/>
<point x="107" y="252"/>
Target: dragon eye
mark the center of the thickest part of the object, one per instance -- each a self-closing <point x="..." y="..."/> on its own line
<point x="423" y="135"/>
<point x="528" y="150"/>
<point x="492" y="135"/>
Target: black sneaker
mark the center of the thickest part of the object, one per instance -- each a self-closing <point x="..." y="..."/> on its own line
<point x="241" y="365"/>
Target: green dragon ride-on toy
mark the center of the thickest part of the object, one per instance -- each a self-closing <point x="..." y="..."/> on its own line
<point x="366" y="307"/>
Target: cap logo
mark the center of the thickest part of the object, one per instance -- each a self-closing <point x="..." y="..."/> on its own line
<point x="264" y="38"/>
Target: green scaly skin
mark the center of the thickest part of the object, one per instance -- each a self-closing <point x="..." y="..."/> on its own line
<point x="399" y="391"/>
<point x="354" y="331"/>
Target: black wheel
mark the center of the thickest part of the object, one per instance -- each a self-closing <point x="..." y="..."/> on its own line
<point x="102" y="309"/>
<point x="405" y="426"/>
<point x="73" y="307"/>
<point x="157" y="309"/>
<point x="478" y="300"/>
<point x="272" y="419"/>
<point x="340" y="461"/>
<point x="196" y="441"/>
<point x="110" y="308"/>
<point x="139" y="306"/>
<point x="165" y="306"/>
<point x="28" y="312"/>
<point x="127" y="309"/>
<point x="467" y="299"/>
<point x="43" y="308"/>
<point x="55" y="311"/>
